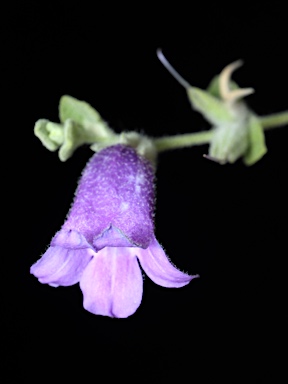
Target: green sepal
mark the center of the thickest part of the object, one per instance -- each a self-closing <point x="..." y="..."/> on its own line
<point x="50" y="134"/>
<point x="74" y="136"/>
<point x="79" y="111"/>
<point x="229" y="142"/>
<point x="214" y="110"/>
<point x="83" y="114"/>
<point x="81" y="124"/>
<point x="257" y="147"/>
<point x="56" y="132"/>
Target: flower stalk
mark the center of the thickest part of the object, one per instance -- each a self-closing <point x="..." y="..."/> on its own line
<point x="275" y="120"/>
<point x="166" y="143"/>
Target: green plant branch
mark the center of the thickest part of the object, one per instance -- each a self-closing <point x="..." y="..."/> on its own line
<point x="185" y="140"/>
<point x="199" y="138"/>
<point x="275" y="120"/>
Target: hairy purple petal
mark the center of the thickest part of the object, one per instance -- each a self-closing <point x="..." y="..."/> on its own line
<point x="65" y="260"/>
<point x="70" y="239"/>
<point x="116" y="189"/>
<point x="158" y="267"/>
<point x="111" y="238"/>
<point x="112" y="283"/>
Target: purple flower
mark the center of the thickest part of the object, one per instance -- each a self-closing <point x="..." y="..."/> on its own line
<point x="108" y="230"/>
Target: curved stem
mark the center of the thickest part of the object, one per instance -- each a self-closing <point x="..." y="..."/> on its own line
<point x="180" y="141"/>
<point x="275" y="120"/>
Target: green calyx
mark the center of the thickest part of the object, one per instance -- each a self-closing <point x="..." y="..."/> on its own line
<point x="237" y="131"/>
<point x="79" y="124"/>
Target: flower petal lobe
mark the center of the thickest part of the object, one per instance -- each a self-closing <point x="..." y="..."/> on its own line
<point x="112" y="283"/>
<point x="158" y="267"/>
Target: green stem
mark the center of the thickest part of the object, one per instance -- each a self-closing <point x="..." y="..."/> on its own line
<point x="185" y="140"/>
<point x="199" y="138"/>
<point x="275" y="120"/>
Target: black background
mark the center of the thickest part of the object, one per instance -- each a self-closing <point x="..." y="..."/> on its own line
<point x="227" y="223"/>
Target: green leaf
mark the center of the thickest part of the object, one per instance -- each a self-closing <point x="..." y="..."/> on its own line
<point x="214" y="110"/>
<point x="257" y="147"/>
